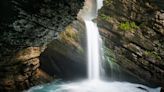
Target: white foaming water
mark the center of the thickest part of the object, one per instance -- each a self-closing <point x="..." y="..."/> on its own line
<point x="93" y="38"/>
<point x="93" y="41"/>
<point x="93" y="86"/>
<point x="99" y="4"/>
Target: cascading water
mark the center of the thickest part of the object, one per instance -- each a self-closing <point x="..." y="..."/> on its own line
<point x="94" y="84"/>
<point x="93" y="42"/>
<point x="93" y="38"/>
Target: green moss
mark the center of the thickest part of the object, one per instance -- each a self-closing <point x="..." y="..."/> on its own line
<point x="109" y="55"/>
<point x="128" y="26"/>
<point x="152" y="54"/>
<point x="80" y="50"/>
<point x="110" y="59"/>
<point x="71" y="38"/>
<point x="107" y="2"/>
<point x="104" y="17"/>
<point x="69" y="35"/>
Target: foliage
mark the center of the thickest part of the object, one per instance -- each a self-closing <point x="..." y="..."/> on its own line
<point x="80" y="50"/>
<point x="128" y="26"/>
<point x="152" y="54"/>
<point x="69" y="35"/>
<point x="107" y="2"/>
<point x="104" y="17"/>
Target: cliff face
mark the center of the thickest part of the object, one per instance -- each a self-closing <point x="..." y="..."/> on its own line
<point x="134" y="31"/>
<point x="26" y="28"/>
<point x="66" y="57"/>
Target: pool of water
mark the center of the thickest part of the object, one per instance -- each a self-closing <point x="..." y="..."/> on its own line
<point x="92" y="86"/>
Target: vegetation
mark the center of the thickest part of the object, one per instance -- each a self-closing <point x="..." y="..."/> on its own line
<point x="107" y="2"/>
<point x="104" y="17"/>
<point x="128" y="26"/>
<point x="69" y="35"/>
<point x="152" y="54"/>
<point x="80" y="50"/>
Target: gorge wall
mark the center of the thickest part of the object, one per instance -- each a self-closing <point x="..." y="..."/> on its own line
<point x="27" y="26"/>
<point x="133" y="30"/>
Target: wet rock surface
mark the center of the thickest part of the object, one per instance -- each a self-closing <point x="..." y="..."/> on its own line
<point x="133" y="31"/>
<point x="66" y="57"/>
<point x="26" y="28"/>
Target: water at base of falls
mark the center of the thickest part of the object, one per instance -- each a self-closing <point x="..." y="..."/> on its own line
<point x="92" y="86"/>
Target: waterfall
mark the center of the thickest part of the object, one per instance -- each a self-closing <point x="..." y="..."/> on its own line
<point x="93" y="42"/>
<point x="93" y="46"/>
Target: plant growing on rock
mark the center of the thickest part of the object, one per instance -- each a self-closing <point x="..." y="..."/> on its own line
<point x="69" y="35"/>
<point x="128" y="26"/>
<point x="107" y="2"/>
<point x="152" y="54"/>
<point x="104" y="17"/>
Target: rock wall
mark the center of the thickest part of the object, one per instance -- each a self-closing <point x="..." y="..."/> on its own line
<point x="134" y="31"/>
<point x="66" y="57"/>
<point x="26" y="28"/>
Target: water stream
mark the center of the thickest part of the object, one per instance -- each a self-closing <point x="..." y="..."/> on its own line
<point x="94" y="82"/>
<point x="93" y="45"/>
<point x="93" y="40"/>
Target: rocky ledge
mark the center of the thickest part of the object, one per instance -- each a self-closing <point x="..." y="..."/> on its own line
<point x="26" y="28"/>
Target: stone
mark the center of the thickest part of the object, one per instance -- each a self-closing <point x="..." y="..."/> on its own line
<point x="65" y="57"/>
<point x="26" y="31"/>
<point x="136" y="49"/>
<point x="34" y="61"/>
<point x="139" y="52"/>
<point x="21" y="78"/>
<point x="26" y="69"/>
<point x="35" y="66"/>
<point x="28" y="22"/>
<point x="7" y="85"/>
<point x="28" y="53"/>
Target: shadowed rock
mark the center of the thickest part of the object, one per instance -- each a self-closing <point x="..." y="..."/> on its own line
<point x="27" y="26"/>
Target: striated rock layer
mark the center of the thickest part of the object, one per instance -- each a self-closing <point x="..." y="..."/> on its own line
<point x="134" y="32"/>
<point x="66" y="57"/>
<point x="26" y="28"/>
